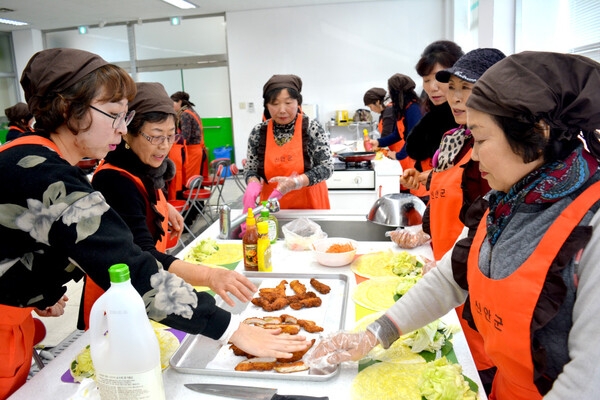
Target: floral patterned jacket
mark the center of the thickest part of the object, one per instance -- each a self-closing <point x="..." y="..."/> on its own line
<point x="54" y="227"/>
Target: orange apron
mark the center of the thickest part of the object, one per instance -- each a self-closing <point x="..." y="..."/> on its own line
<point x="16" y="324"/>
<point x="197" y="159"/>
<point x="17" y="332"/>
<point x="503" y="309"/>
<point x="189" y="160"/>
<point x="445" y="202"/>
<point x="284" y="161"/>
<point x="92" y="291"/>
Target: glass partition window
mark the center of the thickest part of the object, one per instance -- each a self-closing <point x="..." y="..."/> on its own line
<point x="193" y="37"/>
<point x="110" y="42"/>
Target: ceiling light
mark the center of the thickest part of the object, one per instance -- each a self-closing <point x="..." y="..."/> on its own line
<point x="12" y="22"/>
<point x="82" y="29"/>
<point x="183" y="4"/>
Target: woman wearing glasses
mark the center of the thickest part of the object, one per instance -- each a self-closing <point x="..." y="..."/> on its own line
<point x="55" y="227"/>
<point x="132" y="180"/>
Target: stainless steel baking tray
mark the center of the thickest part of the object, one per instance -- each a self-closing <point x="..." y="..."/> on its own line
<point x="204" y="356"/>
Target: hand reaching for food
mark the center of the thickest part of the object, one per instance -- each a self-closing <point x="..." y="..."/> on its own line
<point x="225" y="282"/>
<point x="338" y="348"/>
<point x="262" y="342"/>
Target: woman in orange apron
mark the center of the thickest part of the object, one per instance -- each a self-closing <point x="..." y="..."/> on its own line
<point x="532" y="261"/>
<point x="288" y="157"/>
<point x="132" y="179"/>
<point x="424" y="139"/>
<point x="20" y="120"/>
<point x="189" y="153"/>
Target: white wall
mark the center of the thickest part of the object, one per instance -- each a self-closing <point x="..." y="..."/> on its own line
<point x="339" y="51"/>
<point x="26" y="43"/>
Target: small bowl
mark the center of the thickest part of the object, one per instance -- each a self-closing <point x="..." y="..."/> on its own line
<point x="334" y="259"/>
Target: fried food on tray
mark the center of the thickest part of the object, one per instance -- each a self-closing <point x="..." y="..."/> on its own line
<point x="309" y="326"/>
<point x="291" y="329"/>
<point x="274" y="299"/>
<point x="297" y="287"/>
<point x="257" y="364"/>
<point x="319" y="286"/>
<point x="307" y="303"/>
<point x="239" y="352"/>
<point x="289" y="367"/>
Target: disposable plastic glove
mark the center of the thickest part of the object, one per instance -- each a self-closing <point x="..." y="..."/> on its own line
<point x="286" y="184"/>
<point x="407" y="238"/>
<point x="337" y="348"/>
<point x="252" y="192"/>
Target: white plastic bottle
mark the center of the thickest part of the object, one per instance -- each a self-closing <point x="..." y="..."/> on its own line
<point x="123" y="345"/>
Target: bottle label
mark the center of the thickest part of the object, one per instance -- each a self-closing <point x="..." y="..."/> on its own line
<point x="250" y="257"/>
<point x="143" y="386"/>
<point x="272" y="231"/>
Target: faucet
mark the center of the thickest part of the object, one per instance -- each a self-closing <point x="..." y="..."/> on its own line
<point x="225" y="228"/>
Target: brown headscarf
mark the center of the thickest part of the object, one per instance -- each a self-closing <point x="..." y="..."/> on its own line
<point x="151" y="97"/>
<point x="401" y="83"/>
<point x="18" y="112"/>
<point x="562" y="89"/>
<point x="281" y="82"/>
<point x="54" y="70"/>
<point x="372" y="95"/>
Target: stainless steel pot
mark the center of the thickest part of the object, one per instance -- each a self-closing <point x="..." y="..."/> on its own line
<point x="397" y="209"/>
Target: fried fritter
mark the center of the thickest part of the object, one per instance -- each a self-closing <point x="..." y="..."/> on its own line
<point x="298" y="287"/>
<point x="319" y="286"/>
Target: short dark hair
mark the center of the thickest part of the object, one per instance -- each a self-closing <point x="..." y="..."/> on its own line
<point x="443" y="52"/>
<point x="528" y="140"/>
<point x="184" y="97"/>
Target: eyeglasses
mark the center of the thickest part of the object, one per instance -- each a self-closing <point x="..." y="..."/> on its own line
<point x="117" y="119"/>
<point x="156" y="140"/>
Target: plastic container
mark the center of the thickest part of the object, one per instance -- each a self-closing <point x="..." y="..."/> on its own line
<point x="271" y="221"/>
<point x="123" y="345"/>
<point x="264" y="247"/>
<point x="250" y="242"/>
<point x="301" y="233"/>
<point x="223" y="152"/>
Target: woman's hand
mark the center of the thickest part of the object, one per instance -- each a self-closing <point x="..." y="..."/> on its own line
<point x="410" y="178"/>
<point x="262" y="342"/>
<point x="286" y="184"/>
<point x="374" y="144"/>
<point x="340" y="347"/>
<point x="175" y="222"/>
<point x="56" y="310"/>
<point x="391" y="154"/>
<point x="224" y="282"/>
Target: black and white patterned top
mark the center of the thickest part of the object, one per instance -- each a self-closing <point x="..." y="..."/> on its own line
<point x="317" y="148"/>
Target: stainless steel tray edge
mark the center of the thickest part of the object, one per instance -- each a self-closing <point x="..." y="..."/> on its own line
<point x="210" y="347"/>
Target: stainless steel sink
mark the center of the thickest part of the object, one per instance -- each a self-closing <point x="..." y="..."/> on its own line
<point x="335" y="224"/>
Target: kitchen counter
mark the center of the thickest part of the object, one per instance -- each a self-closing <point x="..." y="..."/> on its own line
<point x="48" y="382"/>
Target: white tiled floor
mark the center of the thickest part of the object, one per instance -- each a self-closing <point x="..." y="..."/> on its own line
<point x="59" y="328"/>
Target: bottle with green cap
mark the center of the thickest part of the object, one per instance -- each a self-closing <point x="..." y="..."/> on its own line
<point x="271" y="220"/>
<point x="124" y="348"/>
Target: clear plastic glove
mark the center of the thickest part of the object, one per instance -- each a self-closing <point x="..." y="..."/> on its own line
<point x="286" y="184"/>
<point x="252" y="192"/>
<point x="429" y="265"/>
<point x="339" y="347"/>
<point x="409" y="237"/>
